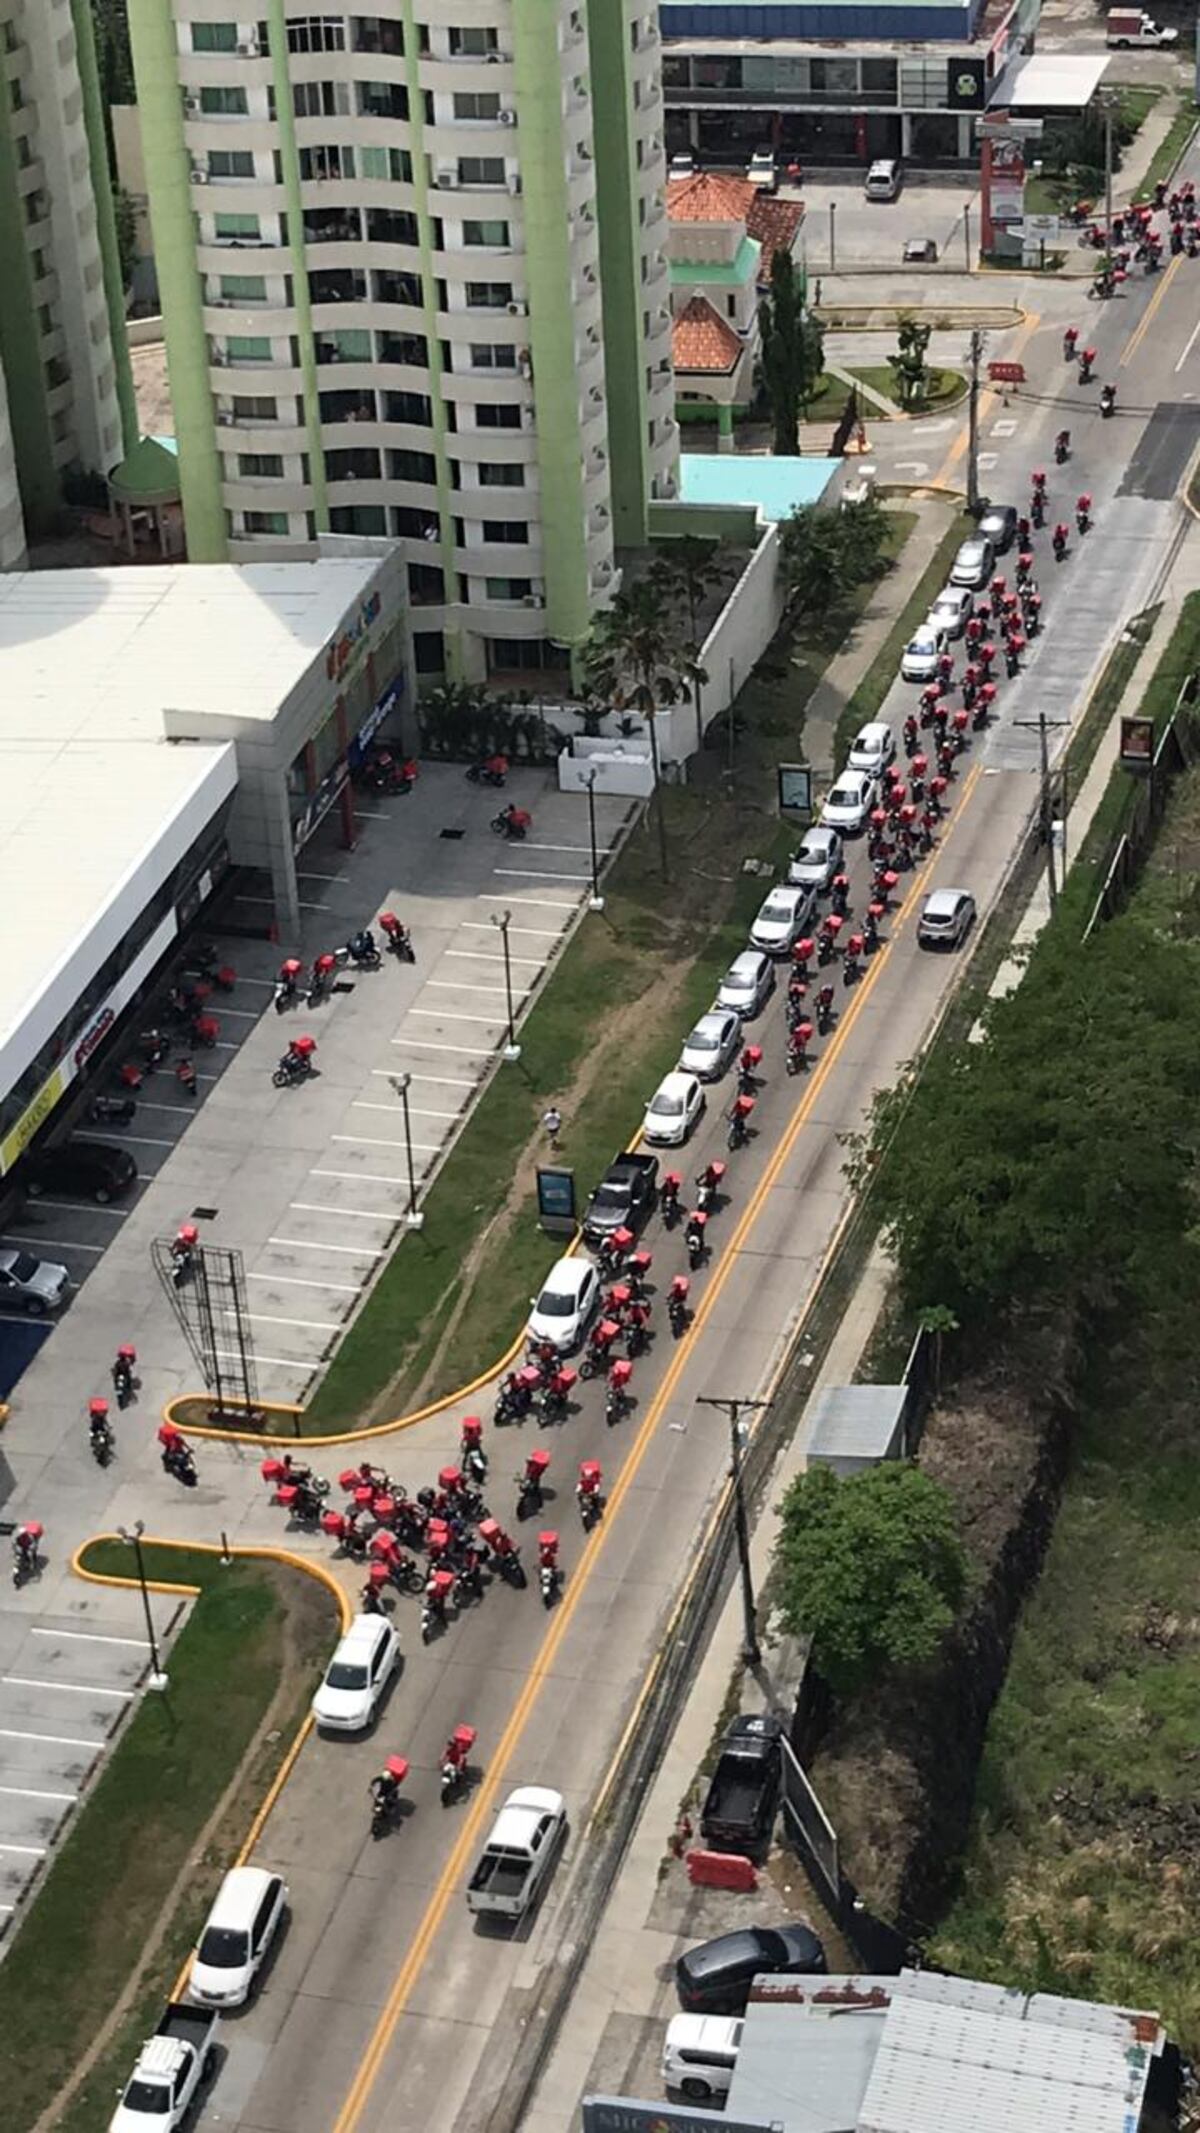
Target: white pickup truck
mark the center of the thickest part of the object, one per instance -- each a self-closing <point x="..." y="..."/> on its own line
<point x="172" y="2067"/>
<point x="1128" y="29"/>
<point x="519" y="1853"/>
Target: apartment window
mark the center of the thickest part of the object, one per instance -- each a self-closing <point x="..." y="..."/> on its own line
<point x="37" y="264"/>
<point x="371" y="34"/>
<point x="388" y="288"/>
<point x="426" y="586"/>
<point x="472" y="44"/>
<point x="505" y="529"/>
<point x="353" y="463"/>
<point x="24" y="151"/>
<point x="214" y="37"/>
<point x="486" y="356"/>
<point x="317" y="33"/>
<point x="382" y="99"/>
<point x="260" y="466"/>
<point x="412" y="466"/>
<point x="238" y="229"/>
<point x="489" y="295"/>
<point x="498" y="418"/>
<point x="408" y="407"/>
<point x="496" y="474"/>
<point x="35" y="207"/>
<point x="414" y="525"/>
<point x="322" y="163"/>
<point x="386" y="225"/>
<point x="15" y="96"/>
<point x="507" y="588"/>
<point x="476" y="104"/>
<point x="481" y="170"/>
<point x="411" y="348"/>
<point x="243" y="288"/>
<point x="45" y="319"/>
<point x="253" y="407"/>
<point x="230" y="163"/>
<point x="275" y="522"/>
<point x="358" y="518"/>
<point x="529" y="655"/>
<point x="223" y="103"/>
<point x="351" y="345"/>
<point x="337" y="285"/>
<point x="489" y="233"/>
<point x="392" y="163"/>
<point x="248" y="348"/>
<point x="321" y="99"/>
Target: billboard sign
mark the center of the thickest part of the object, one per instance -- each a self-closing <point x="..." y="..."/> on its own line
<point x="1137" y="744"/>
<point x="556" y="1197"/>
<point x="625" y="2114"/>
<point x="795" y="789"/>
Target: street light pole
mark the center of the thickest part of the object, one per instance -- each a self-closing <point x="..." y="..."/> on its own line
<point x="660" y="823"/>
<point x="597" y="901"/>
<point x="1108" y="177"/>
<point x="1043" y="724"/>
<point x="973" y="422"/>
<point x="733" y="1408"/>
<point x="833" y="236"/>
<point x="967" y="235"/>
<point x="401" y="1084"/>
<point x="512" y="1050"/>
<point x="157" y="1678"/>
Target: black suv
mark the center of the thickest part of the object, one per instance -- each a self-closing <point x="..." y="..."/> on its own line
<point x="94" y="1169"/>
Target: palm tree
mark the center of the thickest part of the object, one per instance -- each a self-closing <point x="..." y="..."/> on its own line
<point x="637" y="661"/>
<point x="690" y="569"/>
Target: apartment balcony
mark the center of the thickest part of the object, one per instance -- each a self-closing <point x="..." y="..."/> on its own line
<point x="467" y="74"/>
<point x="254" y="493"/>
<point x="240" y="255"/>
<point x="352" y="493"/>
<point x="332" y="225"/>
<point x="330" y="286"/>
<point x="249" y="433"/>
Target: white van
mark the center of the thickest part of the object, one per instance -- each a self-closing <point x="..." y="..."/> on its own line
<point x="699" y="2055"/>
<point x="883" y="180"/>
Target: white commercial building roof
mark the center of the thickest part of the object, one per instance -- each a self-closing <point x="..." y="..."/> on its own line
<point x="96" y="805"/>
<point x="1050" y="81"/>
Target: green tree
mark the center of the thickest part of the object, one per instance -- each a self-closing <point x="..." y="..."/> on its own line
<point x="110" y="28"/>
<point x="637" y="660"/>
<point x="826" y="552"/>
<point x="871" y="1568"/>
<point x="791" y="352"/>
<point x="908" y="363"/>
<point x="688" y="569"/>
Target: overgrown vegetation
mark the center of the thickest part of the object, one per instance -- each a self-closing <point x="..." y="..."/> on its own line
<point x="791" y="352"/>
<point x="827" y="552"/>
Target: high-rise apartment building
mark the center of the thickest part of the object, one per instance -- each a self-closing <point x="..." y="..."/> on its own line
<point x="413" y="266"/>
<point x="65" y="362"/>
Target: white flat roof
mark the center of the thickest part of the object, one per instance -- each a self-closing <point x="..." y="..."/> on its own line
<point x="96" y="805"/>
<point x="1051" y="81"/>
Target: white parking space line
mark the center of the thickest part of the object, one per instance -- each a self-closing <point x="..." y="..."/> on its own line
<point x="446" y="1014"/>
<point x="414" y="1111"/>
<point x="319" y="1325"/>
<point x="476" y="955"/>
<point x="73" y="1207"/>
<point x="356" y="1214"/>
<point x="542" y="933"/>
<point x="136" y="1140"/>
<point x="539" y="874"/>
<point x="1007" y="428"/>
<point x="240" y="1014"/>
<point x="541" y="903"/>
<point x="27" y="1792"/>
<point x="221" y="1046"/>
<point x="56" y="1244"/>
<point x="53" y="1740"/>
<point x="271" y="901"/>
<point x="463" y="984"/>
<point x="27" y="1851"/>
<point x="373" y="1177"/>
<point x="281" y="1362"/>
<point x="91" y="1636"/>
<point x="175" y="1110"/>
<point x="600" y="848"/>
<point x="376" y="1140"/>
<point x="66" y="1688"/>
<point x="301" y="1281"/>
<point x="430" y="1044"/>
<point x="438" y="1081"/>
<point x="309" y="1244"/>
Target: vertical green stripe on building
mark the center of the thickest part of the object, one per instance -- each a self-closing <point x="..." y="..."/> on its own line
<point x="289" y="162"/>
<point x="20" y="351"/>
<point x="537" y="72"/>
<point x="620" y="270"/>
<point x="160" y="105"/>
<point x="106" y="220"/>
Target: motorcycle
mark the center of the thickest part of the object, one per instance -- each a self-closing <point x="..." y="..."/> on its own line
<point x="360" y="950"/>
<point x="321" y="979"/>
<point x="153" y="1045"/>
<point x="385" y="1794"/>
<point x="287" y="984"/>
<point x="438" y="1587"/>
<point x="124" y="1382"/>
<point x="178" y="1461"/>
<point x="1062" y="448"/>
<point x="678" y="1313"/>
<point x="587" y="1493"/>
<point x="595" y="1359"/>
<point x="112" y="1110"/>
<point x="455" y="1764"/>
<point x="1059" y="543"/>
<point x="397" y="937"/>
<point x="492" y="771"/>
<point x="1070" y="336"/>
<point x="825" y="1013"/>
<point x="708" y="1184"/>
<point x="504" y="1552"/>
<point x="549" y="1574"/>
<point x="515" y="1397"/>
<point x="556" y="1393"/>
<point x="797" y="1051"/>
<point x="474" y="1458"/>
<point x="739" y="1122"/>
<point x="468" y="1579"/>
<point x="617" y="1399"/>
<point x="100" y="1433"/>
<point x="1083" y="514"/>
<point x="530" y="1493"/>
<point x="184" y="1254"/>
<point x="1108" y="400"/>
<point x="26" y="1551"/>
<point x="296" y="1064"/>
<point x="694" y="1238"/>
<point x="514" y="823"/>
<point x="668" y="1198"/>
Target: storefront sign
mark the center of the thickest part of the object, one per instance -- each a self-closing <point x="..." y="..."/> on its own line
<point x="17" y="1140"/>
<point x="556" y="1198"/>
<point x="1042" y="229"/>
<point x="966" y="84"/>
<point x="795" y="789"/>
<point x="95" y="1033"/>
<point x="1137" y="743"/>
<point x="380" y="709"/>
<point x="340" y="652"/>
<point x="624" y="2114"/>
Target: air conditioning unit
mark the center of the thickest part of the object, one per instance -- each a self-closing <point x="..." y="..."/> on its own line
<point x="514" y="182"/>
<point x="530" y="600"/>
<point x="225" y="420"/>
<point x="516" y="310"/>
<point x="190" y="102"/>
<point x="445" y="174"/>
<point x="508" y="118"/>
<point x="199" y="177"/>
<point x="251" y="48"/>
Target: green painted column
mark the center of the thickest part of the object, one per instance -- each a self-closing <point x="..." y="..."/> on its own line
<point x="537" y="73"/>
<point x="620" y="271"/>
<point x="420" y="183"/>
<point x="106" y="220"/>
<point x="289" y="159"/>
<point x="21" y="353"/>
<point x="152" y="36"/>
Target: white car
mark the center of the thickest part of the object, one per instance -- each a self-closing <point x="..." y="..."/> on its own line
<point x="357" y="1675"/>
<point x="761" y="171"/>
<point x="673" y="1109"/>
<point x="921" y="654"/>
<point x="33" y="1285"/>
<point x="952" y="610"/>
<point x="747" y="984"/>
<point x="849" y="802"/>
<point x="817" y="861"/>
<point x="781" y="920"/>
<point x="567" y="1299"/>
<point x="872" y="749"/>
<point x="710" y="1047"/>
<point x="238" y="1931"/>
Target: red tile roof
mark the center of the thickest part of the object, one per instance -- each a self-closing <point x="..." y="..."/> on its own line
<point x="701" y="340"/>
<point x="709" y="198"/>
<point x="773" y="224"/>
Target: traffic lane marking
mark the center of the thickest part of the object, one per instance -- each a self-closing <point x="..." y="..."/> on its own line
<point x="1139" y="332"/>
<point x="544" y="1660"/>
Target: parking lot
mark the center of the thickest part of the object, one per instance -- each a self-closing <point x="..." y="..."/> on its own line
<point x="871" y="234"/>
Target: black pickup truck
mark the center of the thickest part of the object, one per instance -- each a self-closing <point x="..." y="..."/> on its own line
<point x="623" y="1198"/>
<point x="739" y="1808"/>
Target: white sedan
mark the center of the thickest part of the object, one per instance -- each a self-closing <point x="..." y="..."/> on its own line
<point x="952" y="610"/>
<point x="849" y="802"/>
<point x="872" y="748"/>
<point x="921" y="654"/>
<point x="781" y="920"/>
<point x="673" y="1109"/>
<point x="561" y="1310"/>
<point x="817" y="861"/>
<point x="712" y="1044"/>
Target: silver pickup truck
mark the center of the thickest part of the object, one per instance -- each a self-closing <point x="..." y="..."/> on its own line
<point x="519" y="1853"/>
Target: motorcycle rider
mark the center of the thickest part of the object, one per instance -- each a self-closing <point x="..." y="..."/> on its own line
<point x="287" y="984"/>
<point x="1070" y="336"/>
<point x="1087" y="358"/>
<point x="397" y="937"/>
<point x="797" y="1048"/>
<point x="122" y="1374"/>
<point x="1060" y="538"/>
<point x="871" y="928"/>
<point x="549" y="1574"/>
<point x="1083" y="511"/>
<point x="25" y="1545"/>
<point x="693" y="1237"/>
<point x="385" y="1793"/>
<point x="1062" y="447"/>
<point x="177" y="1455"/>
<point x="99" y="1429"/>
<point x="911" y="731"/>
<point x="677" y="1304"/>
<point x="825" y="1015"/>
<point x="529" y="1484"/>
<point x="183" y="1252"/>
<point x="668" y="1197"/>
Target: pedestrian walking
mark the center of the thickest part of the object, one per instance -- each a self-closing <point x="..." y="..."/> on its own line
<point x="552" y="1121"/>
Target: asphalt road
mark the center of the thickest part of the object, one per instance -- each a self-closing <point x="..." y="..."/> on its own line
<point x="387" y="2006"/>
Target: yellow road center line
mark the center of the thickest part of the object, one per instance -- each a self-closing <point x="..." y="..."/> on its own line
<point x="1135" y="338"/>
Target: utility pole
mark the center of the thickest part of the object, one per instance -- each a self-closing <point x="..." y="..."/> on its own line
<point x="660" y="821"/>
<point x="1108" y="163"/>
<point x="973" y="423"/>
<point x="833" y="236"/>
<point x="1043" y="725"/>
<point x="734" y="1409"/>
<point x="967" y="236"/>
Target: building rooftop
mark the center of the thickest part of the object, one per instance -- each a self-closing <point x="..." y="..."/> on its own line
<point x="709" y="196"/>
<point x="854" y="1421"/>
<point x="777" y="487"/>
<point x="701" y="340"/>
<point x="1050" y="81"/>
<point x="774" y="224"/>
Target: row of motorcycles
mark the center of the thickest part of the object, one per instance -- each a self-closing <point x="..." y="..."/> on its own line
<point x="454" y="1778"/>
<point x="294" y="984"/>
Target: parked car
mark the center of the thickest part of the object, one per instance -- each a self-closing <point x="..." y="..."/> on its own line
<point x="998" y="524"/>
<point x="743" y="1792"/>
<point x="947" y="916"/>
<point x="699" y="2054"/>
<point x="747" y="984"/>
<point x="564" y="1304"/>
<point x="973" y="564"/>
<point x="710" y="1047"/>
<point x="952" y="610"/>
<point x="920" y="252"/>
<point x="172" y="2067"/>
<point x="884" y="179"/>
<point x="872" y="748"/>
<point x="761" y="171"/>
<point x="781" y="920"/>
<point x="682" y="165"/>
<point x="32" y="1285"/>
<point x="818" y="859"/>
<point x="525" y="1839"/>
<point x="716" y="1977"/>
<point x="357" y="1675"/>
<point x="918" y="661"/>
<point x="624" y="1197"/>
<point x="673" y="1109"/>
<point x="93" y="1169"/>
<point x="238" y="1931"/>
<point x="849" y="802"/>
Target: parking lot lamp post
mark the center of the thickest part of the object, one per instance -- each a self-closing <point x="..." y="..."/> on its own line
<point x="503" y="920"/>
<point x="833" y="236"/>
<point x="401" y="1084"/>
<point x="597" y="901"/>
<point x="157" y="1678"/>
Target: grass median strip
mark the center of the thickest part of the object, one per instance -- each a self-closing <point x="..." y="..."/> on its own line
<point x="867" y="699"/>
<point x="129" y="1867"/>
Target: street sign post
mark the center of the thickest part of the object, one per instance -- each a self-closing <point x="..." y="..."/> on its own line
<point x="795" y="790"/>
